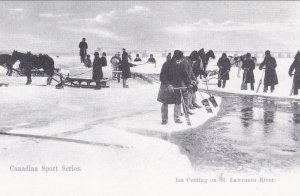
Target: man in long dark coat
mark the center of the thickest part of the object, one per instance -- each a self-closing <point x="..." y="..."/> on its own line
<point x="248" y="76"/>
<point x="97" y="68"/>
<point x="270" y="74"/>
<point x="224" y="68"/>
<point x="173" y="74"/>
<point x="83" y="50"/>
<point x="296" y="66"/>
<point x="125" y="67"/>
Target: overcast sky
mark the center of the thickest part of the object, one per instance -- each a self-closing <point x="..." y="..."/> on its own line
<point x="60" y="26"/>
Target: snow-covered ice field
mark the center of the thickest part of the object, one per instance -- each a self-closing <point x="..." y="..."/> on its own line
<point x="114" y="135"/>
<point x="102" y="132"/>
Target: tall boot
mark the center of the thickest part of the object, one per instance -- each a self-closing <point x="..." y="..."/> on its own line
<point x="219" y="83"/>
<point x="28" y="81"/>
<point x="224" y="84"/>
<point x="124" y="84"/>
<point x="265" y="89"/>
<point x="252" y="86"/>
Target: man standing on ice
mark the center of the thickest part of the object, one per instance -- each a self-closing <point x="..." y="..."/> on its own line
<point x="125" y="67"/>
<point x="97" y="68"/>
<point x="248" y="76"/>
<point x="269" y="63"/>
<point x="83" y="50"/>
<point x="224" y="68"/>
<point x="295" y="66"/>
<point x="172" y="75"/>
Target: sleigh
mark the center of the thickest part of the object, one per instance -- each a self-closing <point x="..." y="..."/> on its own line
<point x="82" y="83"/>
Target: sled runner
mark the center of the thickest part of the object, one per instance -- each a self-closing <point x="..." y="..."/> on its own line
<point x="205" y="103"/>
<point x="81" y="83"/>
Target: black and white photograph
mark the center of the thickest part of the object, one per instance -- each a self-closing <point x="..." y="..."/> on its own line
<point x="149" y="98"/>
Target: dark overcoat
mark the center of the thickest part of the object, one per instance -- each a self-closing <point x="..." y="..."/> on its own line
<point x="97" y="67"/>
<point x="224" y="68"/>
<point x="295" y="66"/>
<point x="172" y="73"/>
<point x="125" y="66"/>
<point x="83" y="47"/>
<point x="270" y="73"/>
<point x="249" y="65"/>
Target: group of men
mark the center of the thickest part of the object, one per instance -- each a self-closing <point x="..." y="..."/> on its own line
<point x="178" y="78"/>
<point x="248" y="65"/>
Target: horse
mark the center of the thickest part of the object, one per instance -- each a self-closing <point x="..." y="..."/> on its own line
<point x="29" y="61"/>
<point x="7" y="61"/>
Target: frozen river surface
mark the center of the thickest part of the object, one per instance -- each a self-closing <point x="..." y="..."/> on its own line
<point x="249" y="133"/>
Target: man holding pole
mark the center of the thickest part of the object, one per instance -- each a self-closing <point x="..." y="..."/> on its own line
<point x="269" y="64"/>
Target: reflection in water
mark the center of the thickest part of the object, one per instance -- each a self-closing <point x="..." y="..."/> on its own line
<point x="296" y="121"/>
<point x="269" y="114"/>
<point x="249" y="132"/>
<point x="247" y="111"/>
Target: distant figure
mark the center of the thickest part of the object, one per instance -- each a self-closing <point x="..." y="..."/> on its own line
<point x="169" y="57"/>
<point x="125" y="68"/>
<point x="295" y="66"/>
<point x="224" y="68"/>
<point x="151" y="59"/>
<point x="83" y="50"/>
<point x="248" y="76"/>
<point x="137" y="58"/>
<point x="270" y="74"/>
<point x="88" y="62"/>
<point x="97" y="68"/>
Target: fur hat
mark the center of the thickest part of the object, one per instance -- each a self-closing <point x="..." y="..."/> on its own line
<point x="177" y="55"/>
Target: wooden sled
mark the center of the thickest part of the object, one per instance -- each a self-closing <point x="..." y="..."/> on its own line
<point x="85" y="83"/>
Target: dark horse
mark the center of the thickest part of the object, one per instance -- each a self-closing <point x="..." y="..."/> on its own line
<point x="29" y="61"/>
<point x="7" y="61"/>
<point x="205" y="59"/>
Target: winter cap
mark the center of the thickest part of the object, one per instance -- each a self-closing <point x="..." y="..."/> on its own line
<point x="268" y="52"/>
<point x="177" y="55"/>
